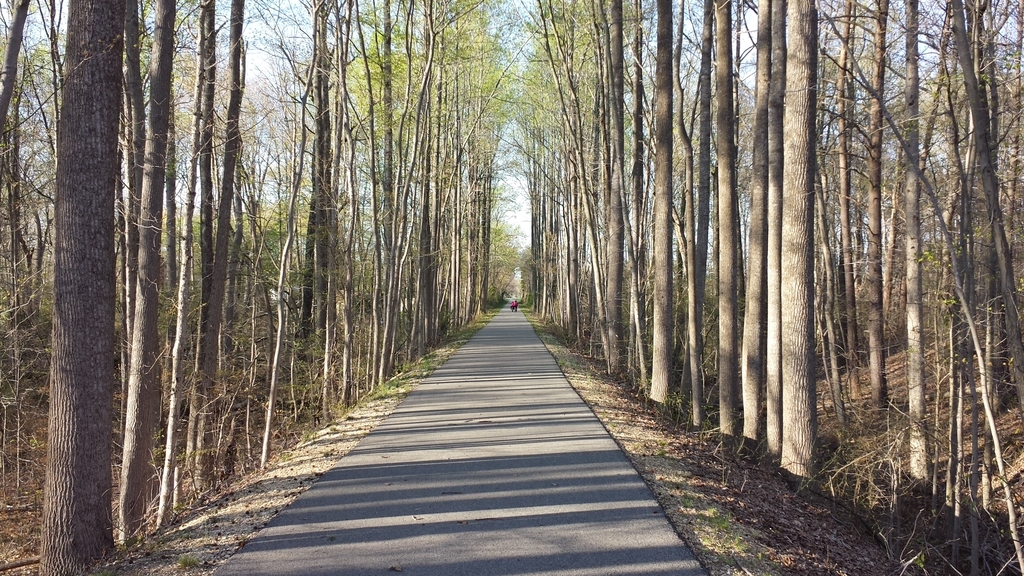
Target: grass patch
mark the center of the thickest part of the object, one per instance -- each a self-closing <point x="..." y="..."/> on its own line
<point x="186" y="561"/>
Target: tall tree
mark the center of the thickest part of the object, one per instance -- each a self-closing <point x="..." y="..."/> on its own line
<point x="799" y="396"/>
<point x="876" y="313"/>
<point x="613" y="295"/>
<point x="179" y="348"/>
<point x="77" y="525"/>
<point x="986" y="163"/>
<point x="918" y="404"/>
<point x="662" y="259"/>
<point x="637" y="239"/>
<point x="199" y="402"/>
<point x="698" y="262"/>
<point x="144" y="374"/>
<point x="776" y="153"/>
<point x="135" y="114"/>
<point x="728" y="223"/>
<point x="844" y="99"/>
<point x="753" y="353"/>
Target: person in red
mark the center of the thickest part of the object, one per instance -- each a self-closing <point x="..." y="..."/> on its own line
<point x="514" y="305"/>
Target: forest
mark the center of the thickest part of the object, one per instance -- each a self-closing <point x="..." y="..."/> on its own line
<point x="789" y="225"/>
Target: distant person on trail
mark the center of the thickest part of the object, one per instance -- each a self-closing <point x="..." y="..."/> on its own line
<point x="514" y="305"/>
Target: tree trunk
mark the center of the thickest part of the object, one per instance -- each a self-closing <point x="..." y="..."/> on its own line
<point x="728" y="215"/>
<point x="876" y="312"/>
<point x="613" y="298"/>
<point x="175" y="397"/>
<point x="199" y="401"/>
<point x="137" y="471"/>
<point x="282" y="277"/>
<point x="844" y="98"/>
<point x="826" y="313"/>
<point x="799" y="397"/>
<point x="918" y="403"/>
<point x="757" y="281"/>
<point x="698" y="224"/>
<point x="76" y="525"/>
<point x="662" y="260"/>
<point x="171" y="211"/>
<point x="986" y="163"/>
<point x="136" y="127"/>
<point x="9" y="73"/>
<point x="776" y="102"/>
<point x="638" y="235"/>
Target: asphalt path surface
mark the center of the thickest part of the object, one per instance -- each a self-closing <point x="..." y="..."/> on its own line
<point x="492" y="466"/>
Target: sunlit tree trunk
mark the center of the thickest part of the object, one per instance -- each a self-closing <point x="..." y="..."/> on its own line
<point x="915" y="342"/>
<point x="876" y="313"/>
<point x="844" y="99"/>
<point x="699" y="222"/>
<point x="613" y="297"/>
<point x="9" y="73"/>
<point x="728" y="218"/>
<point x="753" y="353"/>
<point x="638" y="238"/>
<point x="282" y="278"/>
<point x="135" y="113"/>
<point x="137" y="473"/>
<point x="178" y="351"/>
<point x="76" y="517"/>
<point x="662" y="260"/>
<point x="799" y="397"/>
<point x="199" y="401"/>
<point x="776" y="102"/>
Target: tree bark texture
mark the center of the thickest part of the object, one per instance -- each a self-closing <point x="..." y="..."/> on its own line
<point x="697" y="276"/>
<point x="876" y="313"/>
<point x="776" y="102"/>
<point x="728" y="218"/>
<point x="918" y="404"/>
<point x="77" y="523"/>
<point x="9" y="73"/>
<point x="143" y="404"/>
<point x="844" y="99"/>
<point x="753" y="352"/>
<point x="662" y="261"/>
<point x="613" y="295"/>
<point x="799" y="396"/>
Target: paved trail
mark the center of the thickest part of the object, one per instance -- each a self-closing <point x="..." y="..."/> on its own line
<point x="492" y="466"/>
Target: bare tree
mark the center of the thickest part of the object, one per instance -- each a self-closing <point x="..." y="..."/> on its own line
<point x="698" y="222"/>
<point x="213" y="301"/>
<point x="799" y="397"/>
<point x="662" y="259"/>
<point x="199" y="401"/>
<point x="753" y="353"/>
<point x="282" y="277"/>
<point x="986" y="163"/>
<point x="728" y="219"/>
<point x="15" y="35"/>
<point x="876" y="313"/>
<point x="613" y="296"/>
<point x="144" y="375"/>
<point x="77" y="526"/>
<point x="915" y="342"/>
<point x="776" y="141"/>
<point x="844" y="98"/>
